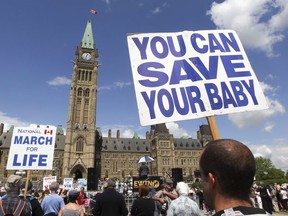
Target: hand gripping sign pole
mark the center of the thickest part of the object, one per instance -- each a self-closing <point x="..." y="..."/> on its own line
<point x="213" y="127"/>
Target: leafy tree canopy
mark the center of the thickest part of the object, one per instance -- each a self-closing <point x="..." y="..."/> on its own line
<point x="265" y="170"/>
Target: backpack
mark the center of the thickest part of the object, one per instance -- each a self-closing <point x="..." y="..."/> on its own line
<point x="18" y="210"/>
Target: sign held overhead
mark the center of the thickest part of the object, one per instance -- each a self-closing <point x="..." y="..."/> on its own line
<point x="187" y="75"/>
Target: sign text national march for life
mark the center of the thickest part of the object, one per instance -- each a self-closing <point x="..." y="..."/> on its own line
<point x="192" y="74"/>
<point x="32" y="148"/>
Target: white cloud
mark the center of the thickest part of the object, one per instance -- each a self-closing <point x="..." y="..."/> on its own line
<point x="9" y="121"/>
<point x="114" y="86"/>
<point x="59" y="81"/>
<point x="269" y="127"/>
<point x="156" y="10"/>
<point x="122" y="84"/>
<point x="276" y="151"/>
<point x="159" y="9"/>
<point x="279" y="20"/>
<point x="254" y="118"/>
<point x="263" y="151"/>
<point x="176" y="130"/>
<point x="126" y="131"/>
<point x="101" y="88"/>
<point x="270" y="76"/>
<point x="259" y="23"/>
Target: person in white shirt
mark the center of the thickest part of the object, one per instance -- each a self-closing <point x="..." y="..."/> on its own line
<point x="183" y="205"/>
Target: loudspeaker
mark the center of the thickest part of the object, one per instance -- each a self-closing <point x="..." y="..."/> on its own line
<point x="177" y="174"/>
<point x="92" y="181"/>
<point x="197" y="174"/>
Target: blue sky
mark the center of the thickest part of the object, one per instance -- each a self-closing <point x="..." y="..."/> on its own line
<point x="39" y="39"/>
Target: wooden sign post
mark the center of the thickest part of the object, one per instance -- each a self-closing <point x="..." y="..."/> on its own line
<point x="213" y="127"/>
<point x="26" y="184"/>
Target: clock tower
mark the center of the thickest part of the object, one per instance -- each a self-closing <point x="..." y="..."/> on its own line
<point x="80" y="143"/>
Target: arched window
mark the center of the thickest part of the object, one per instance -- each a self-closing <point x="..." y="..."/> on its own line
<point x="79" y="92"/>
<point x="87" y="92"/>
<point x="79" y="144"/>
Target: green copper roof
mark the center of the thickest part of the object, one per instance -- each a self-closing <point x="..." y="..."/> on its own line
<point x="87" y="40"/>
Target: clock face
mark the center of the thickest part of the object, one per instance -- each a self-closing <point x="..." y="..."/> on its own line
<point x="86" y="56"/>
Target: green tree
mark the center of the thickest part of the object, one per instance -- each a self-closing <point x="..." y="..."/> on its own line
<point x="265" y="170"/>
<point x="286" y="174"/>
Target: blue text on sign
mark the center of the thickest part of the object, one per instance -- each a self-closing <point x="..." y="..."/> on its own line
<point x="161" y="47"/>
<point x="30" y="159"/>
<point x="33" y="140"/>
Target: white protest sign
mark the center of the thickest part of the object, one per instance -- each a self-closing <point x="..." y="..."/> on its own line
<point x="82" y="182"/>
<point x="32" y="148"/>
<point x="188" y="75"/>
<point x="47" y="181"/>
<point x="68" y="183"/>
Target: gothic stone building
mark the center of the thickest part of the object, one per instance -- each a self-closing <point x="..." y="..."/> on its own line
<point x="83" y="152"/>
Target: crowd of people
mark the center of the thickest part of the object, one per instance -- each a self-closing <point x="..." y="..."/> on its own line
<point x="272" y="198"/>
<point x="227" y="169"/>
<point x="52" y="202"/>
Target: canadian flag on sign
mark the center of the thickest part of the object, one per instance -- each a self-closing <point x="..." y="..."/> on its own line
<point x="93" y="11"/>
<point x="48" y="132"/>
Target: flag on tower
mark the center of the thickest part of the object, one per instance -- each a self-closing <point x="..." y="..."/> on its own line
<point x="93" y="11"/>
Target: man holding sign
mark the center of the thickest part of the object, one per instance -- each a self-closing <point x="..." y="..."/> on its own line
<point x="11" y="203"/>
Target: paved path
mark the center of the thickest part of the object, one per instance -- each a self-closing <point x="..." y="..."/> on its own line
<point x="280" y="213"/>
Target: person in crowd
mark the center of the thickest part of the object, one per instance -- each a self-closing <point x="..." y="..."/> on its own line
<point x="143" y="205"/>
<point x="151" y="193"/>
<point x="252" y="197"/>
<point x="36" y="194"/>
<point x="81" y="197"/>
<point x="110" y="202"/>
<point x="64" y="195"/>
<point x="32" y="201"/>
<point x="12" y="204"/>
<point x="43" y="195"/>
<point x="2" y="192"/>
<point x="183" y="205"/>
<point x="143" y="171"/>
<point x="284" y="199"/>
<point x="258" y="200"/>
<point x="227" y="169"/>
<point x="266" y="199"/>
<point x="52" y="203"/>
<point x="72" y="208"/>
<point x="199" y="193"/>
<point x="87" y="200"/>
<point x="278" y="196"/>
<point x="165" y="196"/>
<point x="274" y="197"/>
<point x="192" y="194"/>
